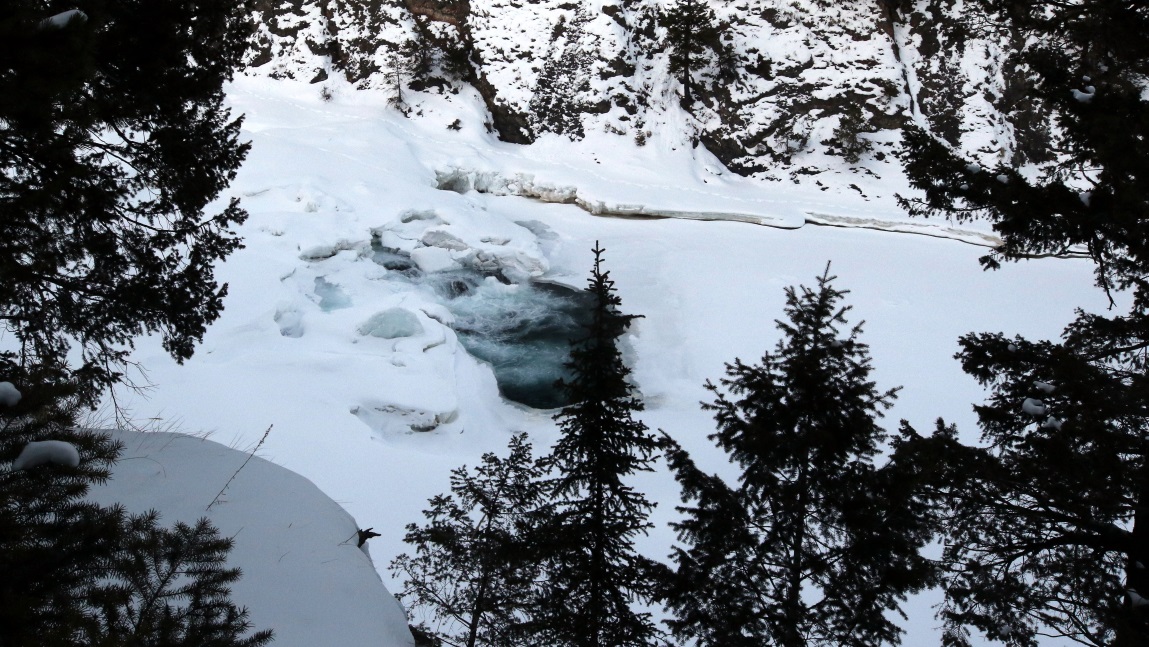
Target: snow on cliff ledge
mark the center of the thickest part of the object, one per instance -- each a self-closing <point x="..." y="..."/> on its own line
<point x="303" y="574"/>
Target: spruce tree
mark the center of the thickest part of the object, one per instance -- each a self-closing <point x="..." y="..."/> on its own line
<point x="1048" y="526"/>
<point x="693" y="36"/>
<point x="556" y="105"/>
<point x="114" y="139"/>
<point x="815" y="545"/>
<point x="169" y="587"/>
<point x="476" y="561"/>
<point x="592" y="574"/>
<point x="53" y="543"/>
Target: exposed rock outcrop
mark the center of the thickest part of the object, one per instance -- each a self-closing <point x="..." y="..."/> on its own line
<point x="794" y="77"/>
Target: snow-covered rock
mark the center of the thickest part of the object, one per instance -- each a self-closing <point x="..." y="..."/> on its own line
<point x="392" y="323"/>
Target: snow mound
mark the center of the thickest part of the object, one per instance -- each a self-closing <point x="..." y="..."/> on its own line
<point x="392" y="323"/>
<point x="45" y="452"/>
<point x="9" y="394"/>
<point x="303" y="574"/>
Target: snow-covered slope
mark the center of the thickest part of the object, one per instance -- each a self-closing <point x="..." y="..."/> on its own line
<point x="303" y="574"/>
<point x="361" y="370"/>
<point x="770" y="104"/>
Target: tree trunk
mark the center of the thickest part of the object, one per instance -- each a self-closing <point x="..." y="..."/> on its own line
<point x="1133" y="628"/>
<point x="793" y="632"/>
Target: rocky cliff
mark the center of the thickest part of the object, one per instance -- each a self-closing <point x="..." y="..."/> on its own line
<point x="791" y="87"/>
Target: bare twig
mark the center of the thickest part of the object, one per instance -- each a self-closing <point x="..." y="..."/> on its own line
<point x="249" y="456"/>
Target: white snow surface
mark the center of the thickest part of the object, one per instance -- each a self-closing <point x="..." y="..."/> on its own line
<point x="61" y="20"/>
<point x="46" y="452"/>
<point x="302" y="573"/>
<point x="377" y="423"/>
<point x="9" y="394"/>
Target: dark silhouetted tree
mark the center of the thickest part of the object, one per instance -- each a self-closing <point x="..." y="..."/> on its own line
<point x="1048" y="529"/>
<point x="815" y="545"/>
<point x="592" y="573"/>
<point x="114" y="139"/>
<point x="694" y="38"/>
<point x="476" y="560"/>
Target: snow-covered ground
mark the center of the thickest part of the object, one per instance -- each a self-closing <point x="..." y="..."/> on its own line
<point x="349" y="360"/>
<point x="303" y="573"/>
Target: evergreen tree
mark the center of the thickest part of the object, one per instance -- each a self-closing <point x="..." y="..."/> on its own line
<point x="476" y="562"/>
<point x="53" y="543"/>
<point x="815" y="545"/>
<point x="592" y="572"/>
<point x="1048" y="525"/>
<point x="408" y="62"/>
<point x="557" y="104"/>
<point x="693" y="36"/>
<point x="851" y="124"/>
<point x="170" y="587"/>
<point x="114" y="138"/>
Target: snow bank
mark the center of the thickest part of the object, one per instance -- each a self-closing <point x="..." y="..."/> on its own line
<point x="303" y="574"/>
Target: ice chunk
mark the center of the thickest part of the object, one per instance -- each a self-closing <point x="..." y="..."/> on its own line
<point x="509" y="265"/>
<point x="9" y="395"/>
<point x="411" y="215"/>
<point x="322" y="252"/>
<point x="456" y="180"/>
<point x="439" y="313"/>
<point x="440" y="238"/>
<point x="1044" y="387"/>
<point x="43" y="452"/>
<point x="434" y="259"/>
<point x="290" y="322"/>
<point x="1034" y="407"/>
<point x="391" y="324"/>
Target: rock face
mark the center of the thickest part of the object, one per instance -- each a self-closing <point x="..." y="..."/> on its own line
<point x="794" y="86"/>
